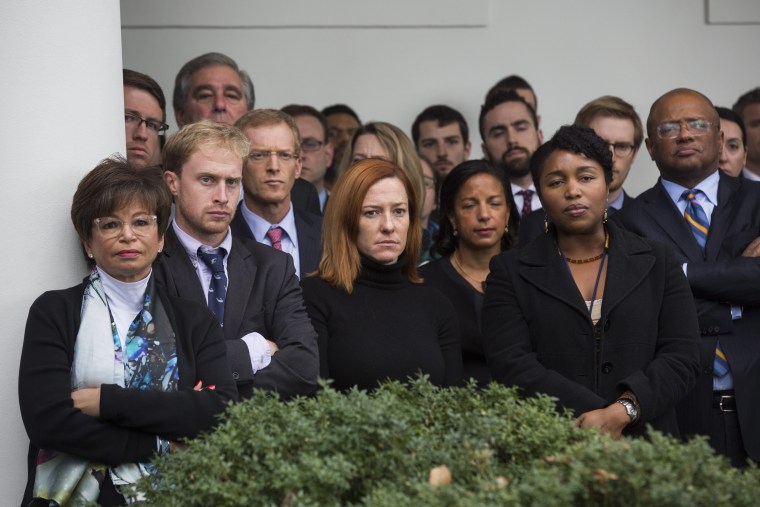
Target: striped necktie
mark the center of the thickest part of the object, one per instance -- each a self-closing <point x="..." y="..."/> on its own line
<point x="700" y="227"/>
<point x="696" y="218"/>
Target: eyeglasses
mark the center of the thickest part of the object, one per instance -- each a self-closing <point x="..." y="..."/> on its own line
<point x="309" y="145"/>
<point x="261" y="155"/>
<point x="110" y="227"/>
<point x="135" y="120"/>
<point x="671" y="129"/>
<point x="621" y="149"/>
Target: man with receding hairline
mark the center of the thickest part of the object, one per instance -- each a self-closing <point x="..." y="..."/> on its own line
<point x="712" y="223"/>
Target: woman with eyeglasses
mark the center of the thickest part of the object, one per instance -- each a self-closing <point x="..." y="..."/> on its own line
<point x="478" y="220"/>
<point x="113" y="371"/>
<point x="589" y="313"/>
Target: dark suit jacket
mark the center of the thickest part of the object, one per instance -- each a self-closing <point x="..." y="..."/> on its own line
<point x="305" y="197"/>
<point x="263" y="296"/>
<point x="537" y="333"/>
<point x="532" y="224"/>
<point x="722" y="279"/>
<point x="308" y="229"/>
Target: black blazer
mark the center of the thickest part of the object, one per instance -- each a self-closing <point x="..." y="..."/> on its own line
<point x="537" y="333"/>
<point x="532" y="224"/>
<point x="263" y="296"/>
<point x="721" y="279"/>
<point x="308" y="230"/>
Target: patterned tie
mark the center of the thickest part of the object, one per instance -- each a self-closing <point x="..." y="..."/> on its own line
<point x="527" y="206"/>
<point x="697" y="219"/>
<point x="275" y="236"/>
<point x="217" y="289"/>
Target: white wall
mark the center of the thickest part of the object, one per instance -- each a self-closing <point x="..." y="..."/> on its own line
<point x="61" y="102"/>
<point x="571" y="52"/>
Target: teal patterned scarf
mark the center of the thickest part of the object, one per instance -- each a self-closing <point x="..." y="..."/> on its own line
<point x="147" y="362"/>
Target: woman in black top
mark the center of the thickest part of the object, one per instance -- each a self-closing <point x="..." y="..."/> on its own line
<point x="589" y="313"/>
<point x="478" y="220"/>
<point x="374" y="319"/>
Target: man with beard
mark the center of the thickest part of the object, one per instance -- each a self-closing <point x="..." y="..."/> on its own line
<point x="509" y="130"/>
<point x="441" y="136"/>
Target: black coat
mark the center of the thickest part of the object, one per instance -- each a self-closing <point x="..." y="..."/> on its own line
<point x="537" y="333"/>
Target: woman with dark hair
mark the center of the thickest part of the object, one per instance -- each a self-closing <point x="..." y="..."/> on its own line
<point x="478" y="220"/>
<point x="589" y="313"/>
<point x="113" y="370"/>
<point x="373" y="319"/>
<point x="734" y="154"/>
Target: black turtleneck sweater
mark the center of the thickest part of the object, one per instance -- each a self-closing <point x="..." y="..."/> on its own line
<point x="388" y="328"/>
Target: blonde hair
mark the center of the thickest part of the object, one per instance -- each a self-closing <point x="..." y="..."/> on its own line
<point x="341" y="263"/>
<point x="182" y="144"/>
<point x="400" y="150"/>
<point x="268" y="118"/>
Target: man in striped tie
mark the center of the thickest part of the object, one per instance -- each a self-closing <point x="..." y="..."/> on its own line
<point x="712" y="221"/>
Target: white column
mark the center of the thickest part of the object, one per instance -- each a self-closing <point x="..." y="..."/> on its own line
<point x="61" y="107"/>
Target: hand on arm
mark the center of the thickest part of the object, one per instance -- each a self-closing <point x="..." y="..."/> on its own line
<point x="87" y="400"/>
<point x="612" y="419"/>
<point x="753" y="249"/>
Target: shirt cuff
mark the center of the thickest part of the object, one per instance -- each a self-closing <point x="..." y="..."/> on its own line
<point x="736" y="312"/>
<point x="684" y="269"/>
<point x="258" y="348"/>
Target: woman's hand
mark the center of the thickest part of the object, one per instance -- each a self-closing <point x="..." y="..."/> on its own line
<point x="87" y="400"/>
<point x="611" y="419"/>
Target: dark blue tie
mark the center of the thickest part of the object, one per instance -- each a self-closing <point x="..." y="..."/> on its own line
<point x="217" y="289"/>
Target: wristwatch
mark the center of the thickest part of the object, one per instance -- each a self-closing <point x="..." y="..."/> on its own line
<point x="630" y="408"/>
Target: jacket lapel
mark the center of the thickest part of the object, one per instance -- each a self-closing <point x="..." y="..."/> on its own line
<point x="546" y="270"/>
<point x="630" y="261"/>
<point x="241" y="272"/>
<point x="723" y="215"/>
<point x="663" y="212"/>
<point x="182" y="278"/>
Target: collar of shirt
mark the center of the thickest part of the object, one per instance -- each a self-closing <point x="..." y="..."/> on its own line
<point x="750" y="175"/>
<point x="708" y="199"/>
<point x="191" y="245"/>
<point x="617" y="203"/>
<point x="259" y="226"/>
<point x="323" y="194"/>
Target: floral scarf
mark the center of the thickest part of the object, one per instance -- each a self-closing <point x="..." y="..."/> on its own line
<point x="147" y="362"/>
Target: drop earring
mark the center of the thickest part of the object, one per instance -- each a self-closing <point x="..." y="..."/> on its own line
<point x="546" y="224"/>
<point x="604" y="218"/>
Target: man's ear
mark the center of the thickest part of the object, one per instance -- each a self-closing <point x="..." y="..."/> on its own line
<point x="172" y="181"/>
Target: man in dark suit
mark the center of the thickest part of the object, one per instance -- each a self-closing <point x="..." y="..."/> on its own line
<point x="615" y="121"/>
<point x="273" y="165"/>
<point x="252" y="289"/>
<point x="712" y="222"/>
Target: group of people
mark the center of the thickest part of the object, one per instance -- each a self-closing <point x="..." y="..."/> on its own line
<point x="262" y="248"/>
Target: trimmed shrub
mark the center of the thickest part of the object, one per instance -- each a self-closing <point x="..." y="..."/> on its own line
<point x="378" y="449"/>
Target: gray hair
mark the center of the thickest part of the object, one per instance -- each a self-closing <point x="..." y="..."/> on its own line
<point x="182" y="81"/>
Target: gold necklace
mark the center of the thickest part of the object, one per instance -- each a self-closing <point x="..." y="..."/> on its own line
<point x="590" y="259"/>
<point x="478" y="283"/>
<point x="584" y="261"/>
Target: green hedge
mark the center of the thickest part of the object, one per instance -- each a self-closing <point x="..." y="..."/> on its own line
<point x="378" y="449"/>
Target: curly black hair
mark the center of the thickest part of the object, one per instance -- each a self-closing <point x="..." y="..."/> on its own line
<point x="575" y="139"/>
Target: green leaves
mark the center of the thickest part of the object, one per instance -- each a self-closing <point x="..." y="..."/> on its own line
<point x="378" y="449"/>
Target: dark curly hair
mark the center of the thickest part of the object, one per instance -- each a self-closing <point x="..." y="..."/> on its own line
<point x="445" y="241"/>
<point x="575" y="139"/>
